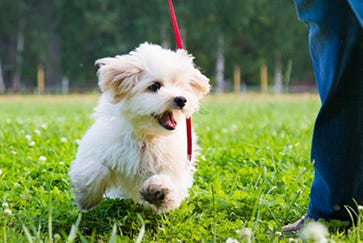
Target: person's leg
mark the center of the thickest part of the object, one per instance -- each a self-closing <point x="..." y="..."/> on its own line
<point x="357" y="7"/>
<point x="335" y="41"/>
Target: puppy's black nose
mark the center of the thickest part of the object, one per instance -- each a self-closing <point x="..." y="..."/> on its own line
<point x="180" y="101"/>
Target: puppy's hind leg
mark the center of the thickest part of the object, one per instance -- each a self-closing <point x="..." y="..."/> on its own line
<point x="89" y="181"/>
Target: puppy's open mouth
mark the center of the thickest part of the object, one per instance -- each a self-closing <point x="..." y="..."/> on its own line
<point x="166" y="120"/>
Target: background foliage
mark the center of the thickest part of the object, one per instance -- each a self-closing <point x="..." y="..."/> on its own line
<point x="67" y="36"/>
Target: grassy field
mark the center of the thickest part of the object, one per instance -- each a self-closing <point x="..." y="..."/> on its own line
<point x="253" y="176"/>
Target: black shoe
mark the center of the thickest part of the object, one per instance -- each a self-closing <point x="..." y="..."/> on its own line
<point x="295" y="227"/>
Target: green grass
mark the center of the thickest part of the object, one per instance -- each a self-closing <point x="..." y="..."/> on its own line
<point x="254" y="173"/>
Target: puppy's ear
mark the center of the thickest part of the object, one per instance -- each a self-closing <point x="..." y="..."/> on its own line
<point x="200" y="83"/>
<point x="117" y="75"/>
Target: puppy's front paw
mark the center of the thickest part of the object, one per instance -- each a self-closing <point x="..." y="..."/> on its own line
<point x="154" y="194"/>
<point x="159" y="191"/>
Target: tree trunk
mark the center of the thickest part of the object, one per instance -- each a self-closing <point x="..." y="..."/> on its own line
<point x="65" y="85"/>
<point x="183" y="36"/>
<point x="2" y="84"/>
<point x="278" y="74"/>
<point x="19" y="56"/>
<point x="287" y="77"/>
<point x="164" y="35"/>
<point x="53" y="74"/>
<point x="220" y="83"/>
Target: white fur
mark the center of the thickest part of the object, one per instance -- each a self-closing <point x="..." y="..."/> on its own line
<point x="127" y="152"/>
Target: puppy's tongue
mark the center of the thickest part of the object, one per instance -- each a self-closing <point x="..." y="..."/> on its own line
<point x="167" y="120"/>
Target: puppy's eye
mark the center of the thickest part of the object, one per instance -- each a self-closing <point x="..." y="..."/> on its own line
<point x="155" y="86"/>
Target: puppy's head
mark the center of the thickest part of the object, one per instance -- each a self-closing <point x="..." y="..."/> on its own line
<point x="157" y="88"/>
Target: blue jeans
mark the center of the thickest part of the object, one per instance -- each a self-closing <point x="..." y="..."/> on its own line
<point x="336" y="49"/>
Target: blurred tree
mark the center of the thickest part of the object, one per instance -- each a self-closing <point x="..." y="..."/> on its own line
<point x="67" y="36"/>
<point x="2" y="84"/>
<point x="11" y="37"/>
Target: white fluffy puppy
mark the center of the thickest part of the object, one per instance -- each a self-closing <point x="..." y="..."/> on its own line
<point x="137" y="146"/>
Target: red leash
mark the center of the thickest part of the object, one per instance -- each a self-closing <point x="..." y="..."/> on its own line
<point x="178" y="39"/>
<point x="179" y="45"/>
